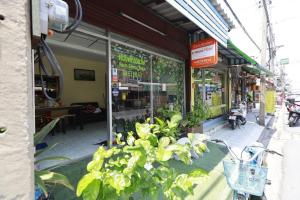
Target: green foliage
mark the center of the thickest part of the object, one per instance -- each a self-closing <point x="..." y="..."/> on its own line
<point x="168" y="128"/>
<point x="46" y="177"/>
<point x="200" y="112"/>
<point x="140" y="169"/>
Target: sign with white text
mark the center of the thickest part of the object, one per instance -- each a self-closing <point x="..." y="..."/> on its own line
<point x="204" y="53"/>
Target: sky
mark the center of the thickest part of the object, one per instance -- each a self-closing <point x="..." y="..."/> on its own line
<point x="285" y="18"/>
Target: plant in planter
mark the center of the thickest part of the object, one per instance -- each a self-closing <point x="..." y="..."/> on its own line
<point x="194" y="120"/>
<point x="45" y="177"/>
<point x="140" y="169"/>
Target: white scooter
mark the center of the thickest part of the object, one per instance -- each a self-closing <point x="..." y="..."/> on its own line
<point x="237" y="116"/>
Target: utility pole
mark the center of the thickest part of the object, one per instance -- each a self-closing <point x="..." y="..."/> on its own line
<point x="263" y="63"/>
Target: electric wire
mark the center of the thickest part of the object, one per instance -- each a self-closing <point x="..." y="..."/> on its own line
<point x="55" y="67"/>
<point x="44" y="50"/>
<point x="242" y="26"/>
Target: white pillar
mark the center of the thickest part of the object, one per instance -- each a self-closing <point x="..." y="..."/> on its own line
<point x="16" y="102"/>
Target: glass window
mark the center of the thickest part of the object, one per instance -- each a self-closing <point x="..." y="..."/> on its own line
<point x="215" y="92"/>
<point x="142" y="83"/>
<point x="168" y="83"/>
<point x="208" y="85"/>
<point x="130" y="82"/>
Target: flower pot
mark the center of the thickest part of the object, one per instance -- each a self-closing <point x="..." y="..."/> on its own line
<point x="195" y="129"/>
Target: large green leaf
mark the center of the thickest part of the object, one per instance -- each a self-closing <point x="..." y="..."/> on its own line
<point x="38" y="152"/>
<point x="83" y="183"/>
<point x="163" y="154"/>
<point x="39" y="136"/>
<point x="55" y="178"/>
<point x="52" y="158"/>
<point x="160" y="122"/>
<point x="164" y="141"/>
<point x="176" y="118"/>
<point x="38" y="181"/>
<point x="130" y="139"/>
<point x="142" y="129"/>
<point x="94" y="165"/>
<point x="92" y="190"/>
<point x="118" y="181"/>
<point x="198" y="173"/>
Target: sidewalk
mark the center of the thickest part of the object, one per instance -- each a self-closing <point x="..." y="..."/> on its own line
<point x="284" y="172"/>
<point x="240" y="137"/>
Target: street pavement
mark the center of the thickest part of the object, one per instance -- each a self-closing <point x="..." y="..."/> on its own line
<point x="240" y="137"/>
<point x="284" y="172"/>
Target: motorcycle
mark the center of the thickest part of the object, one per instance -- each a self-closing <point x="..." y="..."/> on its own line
<point x="237" y="116"/>
<point x="294" y="114"/>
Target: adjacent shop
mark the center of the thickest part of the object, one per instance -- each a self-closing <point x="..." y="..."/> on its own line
<point x="209" y="77"/>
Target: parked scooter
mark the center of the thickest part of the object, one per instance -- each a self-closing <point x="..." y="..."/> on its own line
<point x="294" y="114"/>
<point x="237" y="116"/>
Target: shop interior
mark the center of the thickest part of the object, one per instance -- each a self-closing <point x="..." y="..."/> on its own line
<point x="143" y="80"/>
<point x="82" y="106"/>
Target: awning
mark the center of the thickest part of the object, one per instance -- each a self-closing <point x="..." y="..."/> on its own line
<point x="247" y="63"/>
<point x="257" y="70"/>
<point x="205" y="16"/>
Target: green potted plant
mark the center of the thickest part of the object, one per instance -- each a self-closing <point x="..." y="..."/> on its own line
<point x="193" y="122"/>
<point x="44" y="178"/>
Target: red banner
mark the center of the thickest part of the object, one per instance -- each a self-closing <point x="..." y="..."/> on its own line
<point x="204" y="53"/>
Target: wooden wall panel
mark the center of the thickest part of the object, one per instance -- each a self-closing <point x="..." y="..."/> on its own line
<point x="106" y="14"/>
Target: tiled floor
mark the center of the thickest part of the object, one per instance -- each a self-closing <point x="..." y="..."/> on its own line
<point x="75" y="144"/>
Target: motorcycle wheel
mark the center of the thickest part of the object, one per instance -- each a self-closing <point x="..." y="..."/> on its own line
<point x="263" y="197"/>
<point x="291" y="121"/>
<point x="244" y="122"/>
<point x="233" y="124"/>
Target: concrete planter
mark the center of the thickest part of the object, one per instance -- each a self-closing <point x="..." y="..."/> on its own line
<point x="195" y="129"/>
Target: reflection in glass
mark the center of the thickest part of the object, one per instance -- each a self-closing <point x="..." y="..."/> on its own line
<point x="142" y="83"/>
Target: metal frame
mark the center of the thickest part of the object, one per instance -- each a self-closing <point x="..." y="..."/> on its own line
<point x="109" y="80"/>
<point x="109" y="93"/>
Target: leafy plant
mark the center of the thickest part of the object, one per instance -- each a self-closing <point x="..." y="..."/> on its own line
<point x="165" y="113"/>
<point x="199" y="113"/>
<point x="47" y="177"/>
<point x="168" y="128"/>
<point x="140" y="169"/>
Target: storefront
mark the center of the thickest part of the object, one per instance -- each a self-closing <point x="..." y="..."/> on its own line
<point x="142" y="82"/>
<point x="209" y="77"/>
<point x="210" y="87"/>
<point x="145" y="54"/>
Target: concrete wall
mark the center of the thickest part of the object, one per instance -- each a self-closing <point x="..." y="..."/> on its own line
<point x="16" y="102"/>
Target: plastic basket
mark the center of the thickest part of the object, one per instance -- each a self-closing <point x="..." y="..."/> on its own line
<point x="247" y="178"/>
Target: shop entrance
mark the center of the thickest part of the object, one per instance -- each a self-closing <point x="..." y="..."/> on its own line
<point x="82" y="106"/>
<point x="143" y="83"/>
<point x="111" y="82"/>
<point x="210" y="87"/>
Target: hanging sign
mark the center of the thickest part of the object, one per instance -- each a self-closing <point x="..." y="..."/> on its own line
<point x="204" y="53"/>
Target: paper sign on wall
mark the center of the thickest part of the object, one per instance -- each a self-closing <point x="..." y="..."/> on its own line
<point x="204" y="53"/>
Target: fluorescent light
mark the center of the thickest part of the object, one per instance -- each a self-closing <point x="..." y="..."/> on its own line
<point x="141" y="23"/>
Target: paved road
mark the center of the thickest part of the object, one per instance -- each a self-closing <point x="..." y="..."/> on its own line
<point x="284" y="172"/>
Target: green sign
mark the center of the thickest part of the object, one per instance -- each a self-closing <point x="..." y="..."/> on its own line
<point x="133" y="63"/>
<point x="284" y="61"/>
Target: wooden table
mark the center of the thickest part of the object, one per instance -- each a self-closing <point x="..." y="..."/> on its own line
<point x="44" y="109"/>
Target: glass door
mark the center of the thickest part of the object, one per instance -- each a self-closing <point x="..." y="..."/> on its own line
<point x="168" y="84"/>
<point x="131" y="82"/>
<point x="141" y="84"/>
